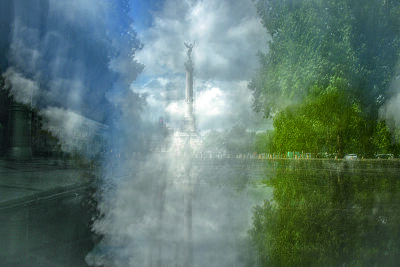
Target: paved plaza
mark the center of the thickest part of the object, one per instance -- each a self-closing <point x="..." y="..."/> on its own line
<point x="24" y="181"/>
<point x="45" y="219"/>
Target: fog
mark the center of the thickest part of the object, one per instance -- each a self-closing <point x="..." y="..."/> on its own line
<point x="112" y="71"/>
<point x="82" y="62"/>
<point x="169" y="207"/>
<point x="390" y="110"/>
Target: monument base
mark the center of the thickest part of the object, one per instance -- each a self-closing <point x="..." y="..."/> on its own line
<point x="188" y="125"/>
<point x="187" y="140"/>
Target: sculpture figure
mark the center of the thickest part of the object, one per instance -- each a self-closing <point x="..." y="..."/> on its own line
<point x="189" y="46"/>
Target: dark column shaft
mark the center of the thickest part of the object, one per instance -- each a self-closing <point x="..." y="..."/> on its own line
<point x="19" y="133"/>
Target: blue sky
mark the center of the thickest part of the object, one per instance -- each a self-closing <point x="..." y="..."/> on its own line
<point x="141" y="12"/>
<point x="228" y="35"/>
<point x="77" y="50"/>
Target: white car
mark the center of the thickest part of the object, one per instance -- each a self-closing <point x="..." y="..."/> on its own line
<point x="350" y="156"/>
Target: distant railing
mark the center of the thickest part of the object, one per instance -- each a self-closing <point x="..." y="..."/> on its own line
<point x="225" y="155"/>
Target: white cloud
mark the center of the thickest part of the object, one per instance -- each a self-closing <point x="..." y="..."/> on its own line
<point x="77" y="51"/>
<point x="176" y="109"/>
<point x="72" y="129"/>
<point x="391" y="109"/>
<point x="23" y="89"/>
<point x="227" y="36"/>
<point x="211" y="102"/>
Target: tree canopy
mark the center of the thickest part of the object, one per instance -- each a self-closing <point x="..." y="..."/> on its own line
<point x="327" y="71"/>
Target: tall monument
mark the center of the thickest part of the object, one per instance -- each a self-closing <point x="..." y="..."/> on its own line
<point x="189" y="121"/>
<point x="188" y="136"/>
<point x="191" y="141"/>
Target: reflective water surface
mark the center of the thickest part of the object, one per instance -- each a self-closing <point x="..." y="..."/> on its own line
<point x="330" y="213"/>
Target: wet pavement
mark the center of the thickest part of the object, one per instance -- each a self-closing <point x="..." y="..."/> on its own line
<point x="46" y="212"/>
<point x="24" y="181"/>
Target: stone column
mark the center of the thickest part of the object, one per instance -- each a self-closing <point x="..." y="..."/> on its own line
<point x="189" y="118"/>
<point x="19" y="147"/>
<point x="189" y="81"/>
<point x="189" y="123"/>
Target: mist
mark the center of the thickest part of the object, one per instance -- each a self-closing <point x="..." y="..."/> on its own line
<point x="73" y="57"/>
<point x="176" y="181"/>
<point x="171" y="206"/>
<point x="391" y="107"/>
<point x="227" y="36"/>
<point x="84" y="66"/>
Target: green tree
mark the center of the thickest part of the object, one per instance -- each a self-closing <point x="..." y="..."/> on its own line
<point x="382" y="138"/>
<point x="326" y="72"/>
<point x="329" y="121"/>
<point x="310" y="44"/>
<point x="264" y="142"/>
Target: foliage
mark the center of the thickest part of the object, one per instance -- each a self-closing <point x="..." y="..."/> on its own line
<point x="303" y="52"/>
<point x="327" y="72"/>
<point x="382" y="138"/>
<point x="264" y="142"/>
<point x="328" y="218"/>
<point x="330" y="121"/>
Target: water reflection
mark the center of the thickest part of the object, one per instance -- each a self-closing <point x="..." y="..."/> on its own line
<point x="330" y="213"/>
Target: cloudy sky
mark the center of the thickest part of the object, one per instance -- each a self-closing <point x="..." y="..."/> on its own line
<point x="75" y="55"/>
<point x="227" y="36"/>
